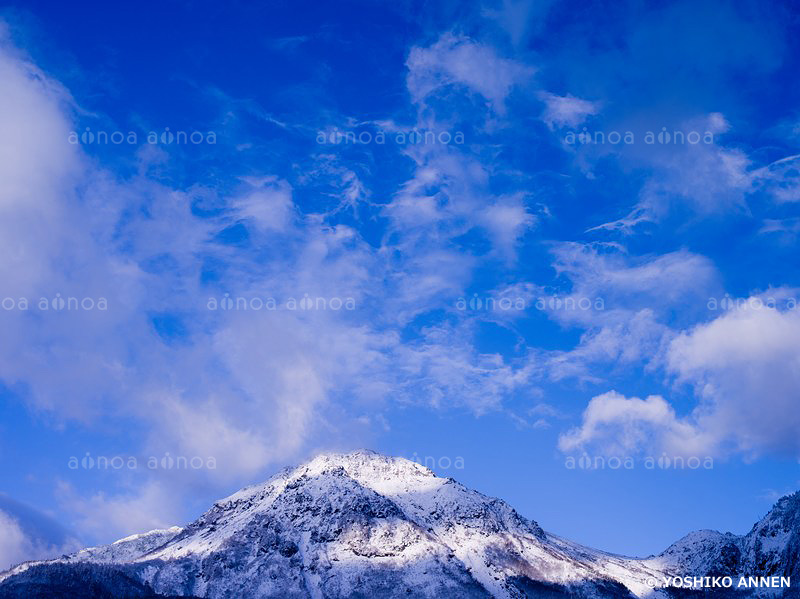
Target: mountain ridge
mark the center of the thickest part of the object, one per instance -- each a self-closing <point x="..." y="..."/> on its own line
<point x="363" y="524"/>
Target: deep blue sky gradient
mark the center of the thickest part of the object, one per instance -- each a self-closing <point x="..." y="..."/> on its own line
<point x="268" y="77"/>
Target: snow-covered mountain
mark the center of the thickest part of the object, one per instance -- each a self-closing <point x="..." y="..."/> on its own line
<point x="365" y="525"/>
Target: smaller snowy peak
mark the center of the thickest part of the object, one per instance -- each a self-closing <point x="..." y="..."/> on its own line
<point x="701" y="551"/>
<point x="149" y="536"/>
<point x="698" y="540"/>
<point x="771" y="546"/>
<point x="119" y="552"/>
<point x="127" y="549"/>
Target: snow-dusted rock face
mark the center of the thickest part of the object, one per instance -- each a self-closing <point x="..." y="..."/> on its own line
<point x="365" y="525"/>
<point x="703" y="552"/>
<point x="773" y="545"/>
<point x="127" y="549"/>
<point x="771" y="548"/>
<point x="119" y="552"/>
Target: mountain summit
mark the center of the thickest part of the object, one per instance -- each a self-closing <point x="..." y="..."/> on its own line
<point x="363" y="525"/>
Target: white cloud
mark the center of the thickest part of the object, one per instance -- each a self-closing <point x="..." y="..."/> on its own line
<point x="459" y="60"/>
<point x="269" y="205"/>
<point x="785" y="228"/>
<point x="36" y="165"/>
<point x="745" y="367"/>
<point x="448" y="196"/>
<point x="14" y="545"/>
<point x="618" y="339"/>
<point x="108" y="517"/>
<point x="445" y="370"/>
<point x="658" y="282"/>
<point x="617" y="425"/>
<point x="710" y="178"/>
<point x="566" y="111"/>
<point x="20" y="541"/>
<point x="628" y="302"/>
<point x="507" y="220"/>
<point x="781" y="179"/>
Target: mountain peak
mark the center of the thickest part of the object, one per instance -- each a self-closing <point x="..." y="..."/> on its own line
<point x="365" y="463"/>
<point x="787" y="503"/>
<point x="383" y="474"/>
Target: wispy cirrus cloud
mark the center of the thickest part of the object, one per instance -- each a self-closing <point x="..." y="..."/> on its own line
<point x="248" y="388"/>
<point x="458" y="61"/>
<point x="403" y="230"/>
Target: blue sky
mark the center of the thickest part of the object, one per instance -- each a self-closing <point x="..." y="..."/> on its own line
<point x="590" y="254"/>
